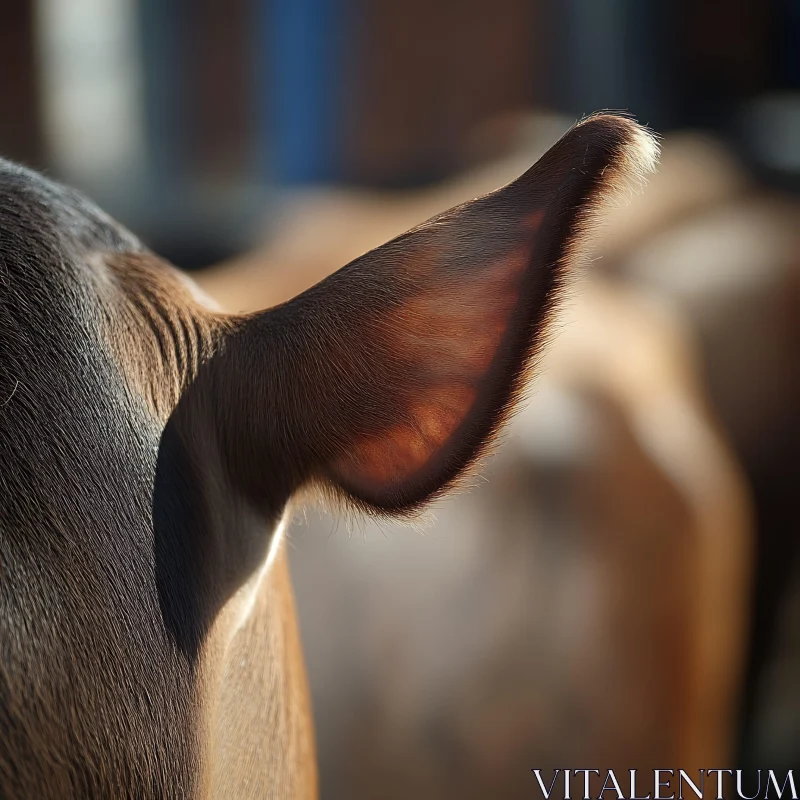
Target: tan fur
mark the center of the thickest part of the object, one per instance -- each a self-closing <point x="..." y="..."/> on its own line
<point x="261" y="733"/>
<point x="174" y="333"/>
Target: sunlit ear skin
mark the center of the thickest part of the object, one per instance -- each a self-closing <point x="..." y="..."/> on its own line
<point x="389" y="378"/>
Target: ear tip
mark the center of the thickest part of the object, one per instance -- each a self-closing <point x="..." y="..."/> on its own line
<point x="614" y="148"/>
<point x="636" y="147"/>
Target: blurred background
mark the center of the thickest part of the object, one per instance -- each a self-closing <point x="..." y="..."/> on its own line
<point x="623" y="590"/>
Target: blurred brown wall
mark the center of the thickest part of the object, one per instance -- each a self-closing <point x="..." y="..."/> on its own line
<point x="429" y="71"/>
<point x="218" y="71"/>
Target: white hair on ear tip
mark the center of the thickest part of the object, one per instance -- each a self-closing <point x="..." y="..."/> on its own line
<point x="638" y="158"/>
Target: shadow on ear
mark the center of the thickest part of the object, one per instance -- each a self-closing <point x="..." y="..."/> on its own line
<point x="389" y="378"/>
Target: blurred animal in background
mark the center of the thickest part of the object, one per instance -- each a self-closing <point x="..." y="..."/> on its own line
<point x="723" y="250"/>
<point x="590" y="602"/>
<point x="148" y="638"/>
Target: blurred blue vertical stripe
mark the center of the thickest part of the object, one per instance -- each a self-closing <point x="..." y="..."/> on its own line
<point x="298" y="84"/>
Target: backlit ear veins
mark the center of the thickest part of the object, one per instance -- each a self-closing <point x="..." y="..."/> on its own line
<point x="447" y="333"/>
<point x="408" y="359"/>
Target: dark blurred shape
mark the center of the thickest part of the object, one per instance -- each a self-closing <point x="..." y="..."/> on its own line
<point x="723" y="55"/>
<point x="614" y="54"/>
<point x="20" y="120"/>
<point x="200" y="112"/>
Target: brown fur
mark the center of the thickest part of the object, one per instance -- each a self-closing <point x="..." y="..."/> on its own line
<point x="147" y="637"/>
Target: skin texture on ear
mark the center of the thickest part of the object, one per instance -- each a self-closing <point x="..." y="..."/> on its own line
<point x="391" y="377"/>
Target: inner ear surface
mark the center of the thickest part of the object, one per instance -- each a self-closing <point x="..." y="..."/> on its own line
<point x="455" y="338"/>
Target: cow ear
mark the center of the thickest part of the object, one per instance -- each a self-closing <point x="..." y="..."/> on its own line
<point x="389" y="378"/>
